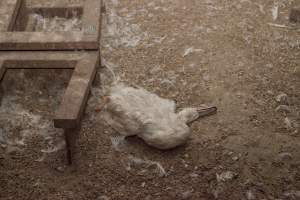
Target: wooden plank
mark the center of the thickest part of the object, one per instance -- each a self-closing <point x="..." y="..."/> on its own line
<point x="87" y="38"/>
<point x="2" y="70"/>
<point x="69" y="113"/>
<point x="48" y="41"/>
<point x="8" y="13"/>
<point x="295" y="15"/>
<point x="74" y="101"/>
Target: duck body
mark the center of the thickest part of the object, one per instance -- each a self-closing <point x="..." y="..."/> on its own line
<point x="135" y="111"/>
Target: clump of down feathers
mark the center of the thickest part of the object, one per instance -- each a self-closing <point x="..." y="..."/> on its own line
<point x="135" y="111"/>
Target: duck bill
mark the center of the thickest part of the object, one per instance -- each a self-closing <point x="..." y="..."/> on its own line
<point x="206" y="111"/>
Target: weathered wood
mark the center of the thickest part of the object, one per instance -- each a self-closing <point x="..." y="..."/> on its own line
<point x="70" y="138"/>
<point x="295" y="15"/>
<point x="1" y="94"/>
<point x="84" y="64"/>
<point x="73" y="103"/>
<point x="87" y="38"/>
<point x="70" y="112"/>
<point x="8" y="13"/>
<point x="15" y="20"/>
<point x="2" y="72"/>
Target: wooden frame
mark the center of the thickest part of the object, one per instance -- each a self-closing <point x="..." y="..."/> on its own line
<point x="14" y="14"/>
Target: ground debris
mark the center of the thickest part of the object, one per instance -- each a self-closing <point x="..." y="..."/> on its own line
<point x="118" y="142"/>
<point x="194" y="175"/>
<point x="42" y="158"/>
<point x="226" y="176"/>
<point x="250" y="195"/>
<point x="187" y="194"/>
<point x="292" y="194"/>
<point x="10" y="149"/>
<point x="146" y="163"/>
<point x="235" y="158"/>
<point x="282" y="98"/>
<point x="283" y="108"/>
<point x="60" y="169"/>
<point x="288" y="124"/>
<point x="54" y="148"/>
<point x="275" y="12"/>
<point x="281" y="26"/>
<point x="53" y="24"/>
<point x="190" y="50"/>
<point x="285" y="156"/>
<point x="103" y="197"/>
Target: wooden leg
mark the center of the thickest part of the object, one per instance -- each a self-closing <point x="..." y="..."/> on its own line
<point x="295" y="15"/>
<point x="68" y="147"/>
<point x="1" y="94"/>
<point x="70" y="137"/>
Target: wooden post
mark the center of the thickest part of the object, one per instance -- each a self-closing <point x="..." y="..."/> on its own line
<point x="70" y="138"/>
<point x="1" y="93"/>
<point x="295" y="15"/>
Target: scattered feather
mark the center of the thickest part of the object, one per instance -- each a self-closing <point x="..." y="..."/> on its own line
<point x="42" y="158"/>
<point x="225" y="176"/>
<point x="281" y="98"/>
<point x="280" y="26"/>
<point x="288" y="123"/>
<point x="285" y="156"/>
<point x="148" y="163"/>
<point x="187" y="194"/>
<point x="250" y="195"/>
<point x="191" y="50"/>
<point x="292" y="194"/>
<point x="283" y="108"/>
<point x="53" y="149"/>
<point x="118" y="142"/>
<point x="275" y="12"/>
<point x="12" y="149"/>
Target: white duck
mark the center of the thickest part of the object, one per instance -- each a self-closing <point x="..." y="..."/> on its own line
<point x="135" y="111"/>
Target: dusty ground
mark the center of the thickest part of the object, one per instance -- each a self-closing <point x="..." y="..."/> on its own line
<point x="229" y="53"/>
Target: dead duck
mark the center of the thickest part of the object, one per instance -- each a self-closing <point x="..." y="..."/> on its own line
<point x="135" y="111"/>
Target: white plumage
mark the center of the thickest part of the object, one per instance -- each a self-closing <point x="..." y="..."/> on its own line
<point x="135" y="111"/>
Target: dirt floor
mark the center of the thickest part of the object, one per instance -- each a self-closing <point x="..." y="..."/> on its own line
<point x="242" y="56"/>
